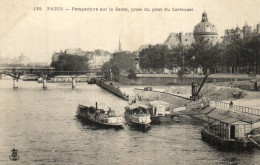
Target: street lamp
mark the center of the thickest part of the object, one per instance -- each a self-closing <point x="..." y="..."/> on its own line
<point x="193" y="59"/>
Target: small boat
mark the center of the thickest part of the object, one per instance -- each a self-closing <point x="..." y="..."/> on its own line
<point x="30" y="77"/>
<point x="148" y="88"/>
<point x="138" y="116"/>
<point x="92" y="81"/>
<point x="101" y="117"/>
<point x="176" y="118"/>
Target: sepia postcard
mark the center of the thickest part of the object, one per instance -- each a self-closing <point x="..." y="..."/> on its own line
<point x="106" y="82"/>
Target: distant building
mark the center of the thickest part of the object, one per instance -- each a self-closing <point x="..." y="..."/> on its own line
<point x="174" y="39"/>
<point x="76" y="51"/>
<point x="55" y="56"/>
<point x="205" y="30"/>
<point x="241" y="32"/>
<point x="98" y="61"/>
<point x="39" y="64"/>
<point x="245" y="31"/>
<point x="98" y="58"/>
<point x="23" y="60"/>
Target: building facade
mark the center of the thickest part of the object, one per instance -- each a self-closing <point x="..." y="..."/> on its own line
<point x="246" y="30"/>
<point x="23" y="60"/>
<point x="205" y="30"/>
<point x="174" y="39"/>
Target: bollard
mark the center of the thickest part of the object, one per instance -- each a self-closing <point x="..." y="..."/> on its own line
<point x="44" y="83"/>
<point x="73" y="83"/>
<point x="15" y="83"/>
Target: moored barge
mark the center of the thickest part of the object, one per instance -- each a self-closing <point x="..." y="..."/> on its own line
<point x="227" y="132"/>
<point x="111" y="88"/>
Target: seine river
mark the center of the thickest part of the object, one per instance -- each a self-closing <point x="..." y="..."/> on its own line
<point x="42" y="125"/>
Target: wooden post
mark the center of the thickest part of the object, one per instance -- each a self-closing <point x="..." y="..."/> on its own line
<point x="73" y="83"/>
<point x="44" y="83"/>
<point x="15" y="83"/>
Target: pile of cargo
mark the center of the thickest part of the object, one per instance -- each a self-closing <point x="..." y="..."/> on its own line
<point x="221" y="92"/>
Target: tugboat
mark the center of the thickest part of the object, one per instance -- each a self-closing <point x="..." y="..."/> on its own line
<point x="101" y="117"/>
<point x="138" y="116"/>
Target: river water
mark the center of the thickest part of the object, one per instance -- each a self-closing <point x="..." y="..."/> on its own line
<point x="42" y="125"/>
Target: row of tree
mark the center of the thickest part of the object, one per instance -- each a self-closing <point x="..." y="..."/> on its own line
<point x="242" y="54"/>
<point x="67" y="62"/>
<point x="120" y="62"/>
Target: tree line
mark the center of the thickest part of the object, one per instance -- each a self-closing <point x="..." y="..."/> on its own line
<point x="120" y="62"/>
<point x="236" y="54"/>
<point x="67" y="62"/>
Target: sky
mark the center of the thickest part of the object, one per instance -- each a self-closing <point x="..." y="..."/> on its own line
<point x="37" y="34"/>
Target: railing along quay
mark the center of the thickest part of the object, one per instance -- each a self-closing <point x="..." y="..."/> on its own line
<point x="243" y="109"/>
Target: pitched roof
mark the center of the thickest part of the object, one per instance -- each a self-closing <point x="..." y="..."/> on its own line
<point x="158" y="102"/>
<point x="231" y="116"/>
<point x="136" y="105"/>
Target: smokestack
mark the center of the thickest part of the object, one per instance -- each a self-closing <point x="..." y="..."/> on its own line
<point x="96" y="106"/>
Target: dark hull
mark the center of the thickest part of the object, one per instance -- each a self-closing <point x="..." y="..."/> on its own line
<point x="87" y="120"/>
<point x="139" y="126"/>
<point x="226" y="144"/>
<point x="111" y="88"/>
<point x="92" y="81"/>
<point x="162" y="119"/>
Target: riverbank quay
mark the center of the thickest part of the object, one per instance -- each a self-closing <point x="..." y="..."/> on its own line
<point x="239" y="116"/>
<point x="186" y="79"/>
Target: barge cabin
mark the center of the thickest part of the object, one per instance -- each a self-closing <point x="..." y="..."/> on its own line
<point x="228" y="132"/>
<point x="160" y="111"/>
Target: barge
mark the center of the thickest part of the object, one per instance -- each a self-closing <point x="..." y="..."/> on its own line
<point x="227" y="143"/>
<point x="160" y="112"/>
<point x="111" y="88"/>
<point x="30" y="77"/>
<point x="228" y="132"/>
<point x="138" y="116"/>
<point x="100" y="117"/>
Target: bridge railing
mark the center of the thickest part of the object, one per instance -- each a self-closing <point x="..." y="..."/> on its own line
<point x="239" y="108"/>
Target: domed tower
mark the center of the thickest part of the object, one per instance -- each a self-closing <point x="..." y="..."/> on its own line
<point x="205" y="30"/>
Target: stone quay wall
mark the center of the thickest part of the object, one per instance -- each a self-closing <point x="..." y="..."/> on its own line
<point x="173" y="79"/>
